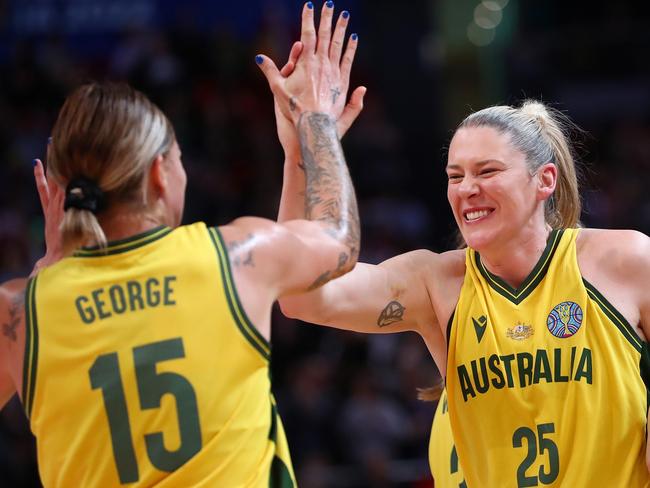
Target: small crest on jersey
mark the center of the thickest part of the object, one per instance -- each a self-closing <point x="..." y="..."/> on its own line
<point x="520" y="331"/>
<point x="564" y="320"/>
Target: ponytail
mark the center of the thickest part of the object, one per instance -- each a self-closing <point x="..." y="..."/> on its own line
<point x="103" y="143"/>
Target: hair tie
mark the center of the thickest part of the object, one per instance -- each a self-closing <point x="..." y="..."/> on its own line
<point x="84" y="194"/>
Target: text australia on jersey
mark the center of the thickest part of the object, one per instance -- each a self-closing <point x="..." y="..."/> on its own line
<point x="522" y="369"/>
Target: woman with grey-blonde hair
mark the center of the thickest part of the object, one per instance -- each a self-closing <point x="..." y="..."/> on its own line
<point x="539" y="326"/>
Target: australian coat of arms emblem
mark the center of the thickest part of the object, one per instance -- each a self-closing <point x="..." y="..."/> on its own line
<point x="520" y="332"/>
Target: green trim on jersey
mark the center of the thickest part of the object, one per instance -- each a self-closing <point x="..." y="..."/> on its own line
<point x="279" y="477"/>
<point x="517" y="295"/>
<point x="31" y="346"/>
<point x="615" y="316"/>
<point x="273" y="431"/>
<point x="248" y="330"/>
<point x="644" y="367"/>
<point x="124" y="245"/>
<point x="451" y="321"/>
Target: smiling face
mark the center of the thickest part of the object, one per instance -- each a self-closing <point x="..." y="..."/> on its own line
<point x="490" y="189"/>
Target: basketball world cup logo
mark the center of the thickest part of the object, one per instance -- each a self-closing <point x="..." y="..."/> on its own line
<point x="564" y="320"/>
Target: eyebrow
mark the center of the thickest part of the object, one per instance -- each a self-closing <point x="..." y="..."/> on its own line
<point x="479" y="163"/>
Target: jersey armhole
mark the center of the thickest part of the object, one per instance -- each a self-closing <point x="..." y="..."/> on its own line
<point x="245" y="326"/>
<point x="30" y="359"/>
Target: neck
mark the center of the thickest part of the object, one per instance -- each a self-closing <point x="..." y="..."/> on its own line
<point x="514" y="260"/>
<point x="121" y="223"/>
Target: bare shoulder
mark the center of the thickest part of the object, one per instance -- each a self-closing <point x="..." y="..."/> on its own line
<point x="246" y="225"/>
<point x="12" y="306"/>
<point x="448" y="263"/>
<point x="12" y="290"/>
<point x="442" y="275"/>
<point x="619" y="250"/>
<point x="452" y="263"/>
<point x="435" y="270"/>
<point x="246" y="234"/>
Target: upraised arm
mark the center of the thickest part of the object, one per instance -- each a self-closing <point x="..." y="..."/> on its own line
<point x="292" y="204"/>
<point x="325" y="243"/>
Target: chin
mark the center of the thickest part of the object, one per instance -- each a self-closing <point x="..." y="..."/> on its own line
<point x="479" y="239"/>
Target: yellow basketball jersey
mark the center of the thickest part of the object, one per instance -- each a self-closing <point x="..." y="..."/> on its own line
<point x="142" y="369"/>
<point x="443" y="457"/>
<point x="546" y="381"/>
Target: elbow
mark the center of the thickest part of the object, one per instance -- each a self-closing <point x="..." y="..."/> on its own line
<point x="349" y="266"/>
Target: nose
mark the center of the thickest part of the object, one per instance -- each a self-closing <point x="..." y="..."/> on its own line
<point x="468" y="187"/>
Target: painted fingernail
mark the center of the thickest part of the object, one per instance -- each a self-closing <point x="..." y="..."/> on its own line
<point x="34" y="162"/>
<point x="259" y="59"/>
<point x="354" y="37"/>
<point x="345" y="14"/>
<point x="310" y="5"/>
<point x="49" y="140"/>
<point x="330" y="4"/>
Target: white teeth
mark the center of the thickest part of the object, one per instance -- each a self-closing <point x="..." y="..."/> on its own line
<point x="469" y="216"/>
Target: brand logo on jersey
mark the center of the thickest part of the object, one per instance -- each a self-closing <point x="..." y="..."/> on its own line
<point x="564" y="320"/>
<point x="479" y="326"/>
<point x="520" y="332"/>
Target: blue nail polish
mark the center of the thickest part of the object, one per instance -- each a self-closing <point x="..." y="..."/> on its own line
<point x="330" y="4"/>
<point x="354" y="37"/>
<point x="345" y="14"/>
<point x="49" y="140"/>
<point x="259" y="59"/>
<point x="34" y="162"/>
<point x="310" y="5"/>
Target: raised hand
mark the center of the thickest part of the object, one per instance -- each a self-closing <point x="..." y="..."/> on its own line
<point x="51" y="196"/>
<point x="286" y="132"/>
<point x="320" y="80"/>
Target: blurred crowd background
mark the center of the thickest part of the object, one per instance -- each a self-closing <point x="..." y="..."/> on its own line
<point x="348" y="401"/>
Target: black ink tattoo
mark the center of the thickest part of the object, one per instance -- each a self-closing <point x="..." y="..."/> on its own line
<point x="335" y="94"/>
<point x="292" y="103"/>
<point x="329" y="195"/>
<point x="393" y="312"/>
<point x="237" y="252"/>
<point x="15" y="317"/>
<point x="330" y="275"/>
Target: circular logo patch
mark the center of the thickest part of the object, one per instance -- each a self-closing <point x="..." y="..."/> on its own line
<point x="564" y="320"/>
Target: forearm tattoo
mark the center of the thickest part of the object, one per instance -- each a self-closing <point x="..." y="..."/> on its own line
<point x="331" y="274"/>
<point x="329" y="195"/>
<point x="393" y="312"/>
<point x="15" y="317"/>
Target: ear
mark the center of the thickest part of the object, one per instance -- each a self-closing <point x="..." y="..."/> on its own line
<point x="157" y="179"/>
<point x="546" y="181"/>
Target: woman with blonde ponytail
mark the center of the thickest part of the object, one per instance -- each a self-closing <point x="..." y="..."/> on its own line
<point x="538" y="326"/>
<point x="140" y="347"/>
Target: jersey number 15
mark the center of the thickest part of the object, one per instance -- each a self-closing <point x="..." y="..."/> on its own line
<point x="105" y="375"/>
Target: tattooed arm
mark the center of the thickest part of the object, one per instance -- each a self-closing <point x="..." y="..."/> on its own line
<point x="390" y="297"/>
<point x="300" y="255"/>
<point x="12" y="336"/>
<point x="293" y="189"/>
<point x="271" y="259"/>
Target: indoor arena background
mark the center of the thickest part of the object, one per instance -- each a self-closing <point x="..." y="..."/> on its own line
<point x="348" y="401"/>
